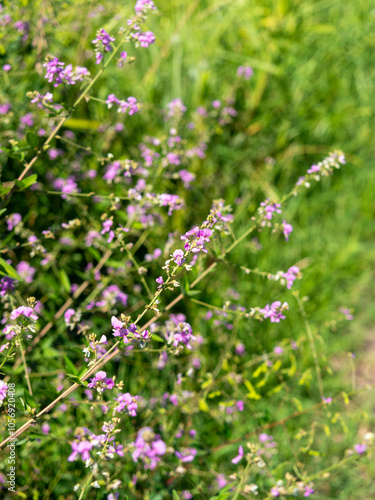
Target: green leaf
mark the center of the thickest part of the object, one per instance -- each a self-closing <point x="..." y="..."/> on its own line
<point x="9" y="270"/>
<point x="32" y="139"/>
<point x="26" y="183"/>
<point x="64" y="280"/>
<point x="29" y="181"/>
<point x="70" y="366"/>
<point x="157" y="338"/>
<point x="75" y="379"/>
<point x="175" y="495"/>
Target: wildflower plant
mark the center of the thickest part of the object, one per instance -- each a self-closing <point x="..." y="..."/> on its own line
<point x="134" y="383"/>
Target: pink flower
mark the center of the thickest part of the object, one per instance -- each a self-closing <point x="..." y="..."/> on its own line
<point x="360" y="448"/>
<point x="239" y="457"/>
<point x="23" y="311"/>
<point x="178" y="257"/>
<point x="287" y="229"/>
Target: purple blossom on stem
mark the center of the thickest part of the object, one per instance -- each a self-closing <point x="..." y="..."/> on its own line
<point x="145" y="39"/>
<point x="308" y="491"/>
<point x="144" y="5"/>
<point x="13" y="220"/>
<point x="23" y="311"/>
<point x="101" y="382"/>
<point x="148" y="447"/>
<point x="178" y="257"/>
<point x="103" y="38"/>
<point x="360" y="448"/>
<point x="245" y="71"/>
<point x="3" y="391"/>
<point x="290" y="276"/>
<point x="269" y="209"/>
<point x="287" y="229"/>
<point x="186" y="455"/>
<point x="127" y="403"/>
<point x="239" y="457"/>
<point x="81" y="448"/>
<point x="274" y="311"/>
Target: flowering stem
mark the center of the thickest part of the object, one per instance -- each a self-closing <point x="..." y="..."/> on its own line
<point x="243" y="479"/>
<point x="61" y="123"/>
<point x="329" y="469"/>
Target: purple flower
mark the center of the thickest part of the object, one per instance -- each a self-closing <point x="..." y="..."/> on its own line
<point x="127" y="403"/>
<point x="144" y="5"/>
<point x="221" y="481"/>
<point x="245" y="71"/>
<point x="346" y="313"/>
<point x="274" y="311"/>
<point x="176" y="108"/>
<point x="13" y="220"/>
<point x="145" y="39"/>
<point x="360" y="448"/>
<point x="240" y="349"/>
<point x="45" y="428"/>
<point x="172" y="201"/>
<point x="23" y="311"/>
<point x="178" y="257"/>
<point x="104" y="39"/>
<point x="278" y="350"/>
<point x="68" y="315"/>
<point x="57" y="72"/>
<point x="122" y="60"/>
<point x="187" y="454"/>
<point x="160" y="280"/>
<point x="267" y="209"/>
<point x="308" y="491"/>
<point x="3" y="391"/>
<point x="81" y="448"/>
<point x="313" y="169"/>
<point x="287" y="229"/>
<point x="4" y="108"/>
<point x="148" y="447"/>
<point x="239" y="457"/>
<point x="7" y="67"/>
<point x="101" y="382"/>
<point x="186" y="177"/>
<point x="290" y="276"/>
<point x="275" y="492"/>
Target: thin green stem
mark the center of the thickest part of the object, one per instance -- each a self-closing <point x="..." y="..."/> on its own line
<point x="312" y="343"/>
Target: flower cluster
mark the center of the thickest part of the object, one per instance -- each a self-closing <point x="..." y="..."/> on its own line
<point x="102" y="40"/>
<point x="267" y="210"/>
<point x="178" y="333"/>
<point x="127" y="403"/>
<point x="130" y="105"/>
<point x="291" y="275"/>
<point x="128" y="331"/>
<point x="245" y="71"/>
<point x="196" y="238"/>
<point x="57" y="72"/>
<point x="3" y="391"/>
<point x="26" y="312"/>
<point x="148" y="447"/>
<point x="273" y="311"/>
<point x="101" y="382"/>
<point x="323" y="168"/>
